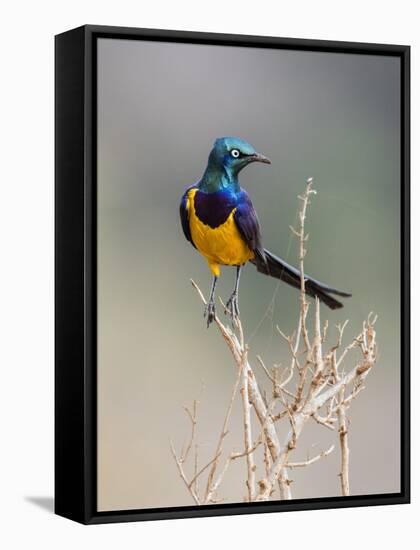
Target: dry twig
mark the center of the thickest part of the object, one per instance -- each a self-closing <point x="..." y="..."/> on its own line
<point x="315" y="381"/>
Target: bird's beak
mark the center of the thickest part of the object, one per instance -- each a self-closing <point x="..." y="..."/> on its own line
<point x="260" y="158"/>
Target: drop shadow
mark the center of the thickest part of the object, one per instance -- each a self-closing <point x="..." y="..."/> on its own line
<point x="46" y="503"/>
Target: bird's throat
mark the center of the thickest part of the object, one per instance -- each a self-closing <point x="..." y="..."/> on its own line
<point x="218" y="179"/>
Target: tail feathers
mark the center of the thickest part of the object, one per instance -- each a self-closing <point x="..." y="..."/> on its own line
<point x="271" y="265"/>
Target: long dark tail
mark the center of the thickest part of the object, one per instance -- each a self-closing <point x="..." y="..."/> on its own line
<point x="276" y="267"/>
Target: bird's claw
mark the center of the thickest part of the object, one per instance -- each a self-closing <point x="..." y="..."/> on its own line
<point x="232" y="307"/>
<point x="210" y="312"/>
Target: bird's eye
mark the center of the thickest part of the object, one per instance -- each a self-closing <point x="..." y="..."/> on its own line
<point x="235" y="153"/>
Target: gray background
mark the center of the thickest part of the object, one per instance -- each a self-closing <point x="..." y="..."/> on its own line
<point x="331" y="116"/>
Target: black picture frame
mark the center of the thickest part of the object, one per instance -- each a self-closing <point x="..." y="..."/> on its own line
<point x="75" y="273"/>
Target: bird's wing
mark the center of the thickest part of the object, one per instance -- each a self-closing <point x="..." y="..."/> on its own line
<point x="246" y="220"/>
<point x="183" y="211"/>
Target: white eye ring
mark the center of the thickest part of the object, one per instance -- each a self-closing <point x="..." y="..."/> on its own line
<point x="235" y="153"/>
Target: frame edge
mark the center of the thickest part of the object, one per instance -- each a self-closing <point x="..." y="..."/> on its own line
<point x="69" y="428"/>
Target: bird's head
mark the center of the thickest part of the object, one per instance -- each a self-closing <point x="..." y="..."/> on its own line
<point x="232" y="154"/>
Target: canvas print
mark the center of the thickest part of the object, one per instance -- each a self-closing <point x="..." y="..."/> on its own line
<point x="248" y="274"/>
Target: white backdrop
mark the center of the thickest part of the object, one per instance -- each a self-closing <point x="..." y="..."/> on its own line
<point x="26" y="302"/>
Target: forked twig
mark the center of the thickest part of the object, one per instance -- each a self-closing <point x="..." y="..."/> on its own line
<point x="314" y="385"/>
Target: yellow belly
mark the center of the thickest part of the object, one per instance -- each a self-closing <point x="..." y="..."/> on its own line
<point x="222" y="245"/>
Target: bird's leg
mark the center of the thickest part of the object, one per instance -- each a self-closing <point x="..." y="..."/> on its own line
<point x="232" y="305"/>
<point x="210" y="309"/>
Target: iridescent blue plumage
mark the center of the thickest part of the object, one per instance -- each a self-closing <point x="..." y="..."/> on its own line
<point x="207" y="207"/>
<point x="224" y="166"/>
<point x="213" y="209"/>
<point x="219" y="191"/>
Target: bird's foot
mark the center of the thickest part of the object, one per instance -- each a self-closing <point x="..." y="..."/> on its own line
<point x="210" y="312"/>
<point x="232" y="307"/>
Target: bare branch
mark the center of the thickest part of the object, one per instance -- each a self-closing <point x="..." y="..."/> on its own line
<point x="315" y="403"/>
<point x="183" y="476"/>
<point x="224" y="432"/>
<point x="202" y="470"/>
<point x="310" y="461"/>
<point x="247" y="429"/>
<point x="344" y="445"/>
<point x="193" y="417"/>
<point x="316" y="384"/>
<point x="302" y="253"/>
<point x="327" y="422"/>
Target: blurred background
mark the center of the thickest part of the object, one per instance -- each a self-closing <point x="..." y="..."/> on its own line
<point x="334" y="117"/>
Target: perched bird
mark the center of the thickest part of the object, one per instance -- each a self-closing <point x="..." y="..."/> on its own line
<point x="219" y="220"/>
